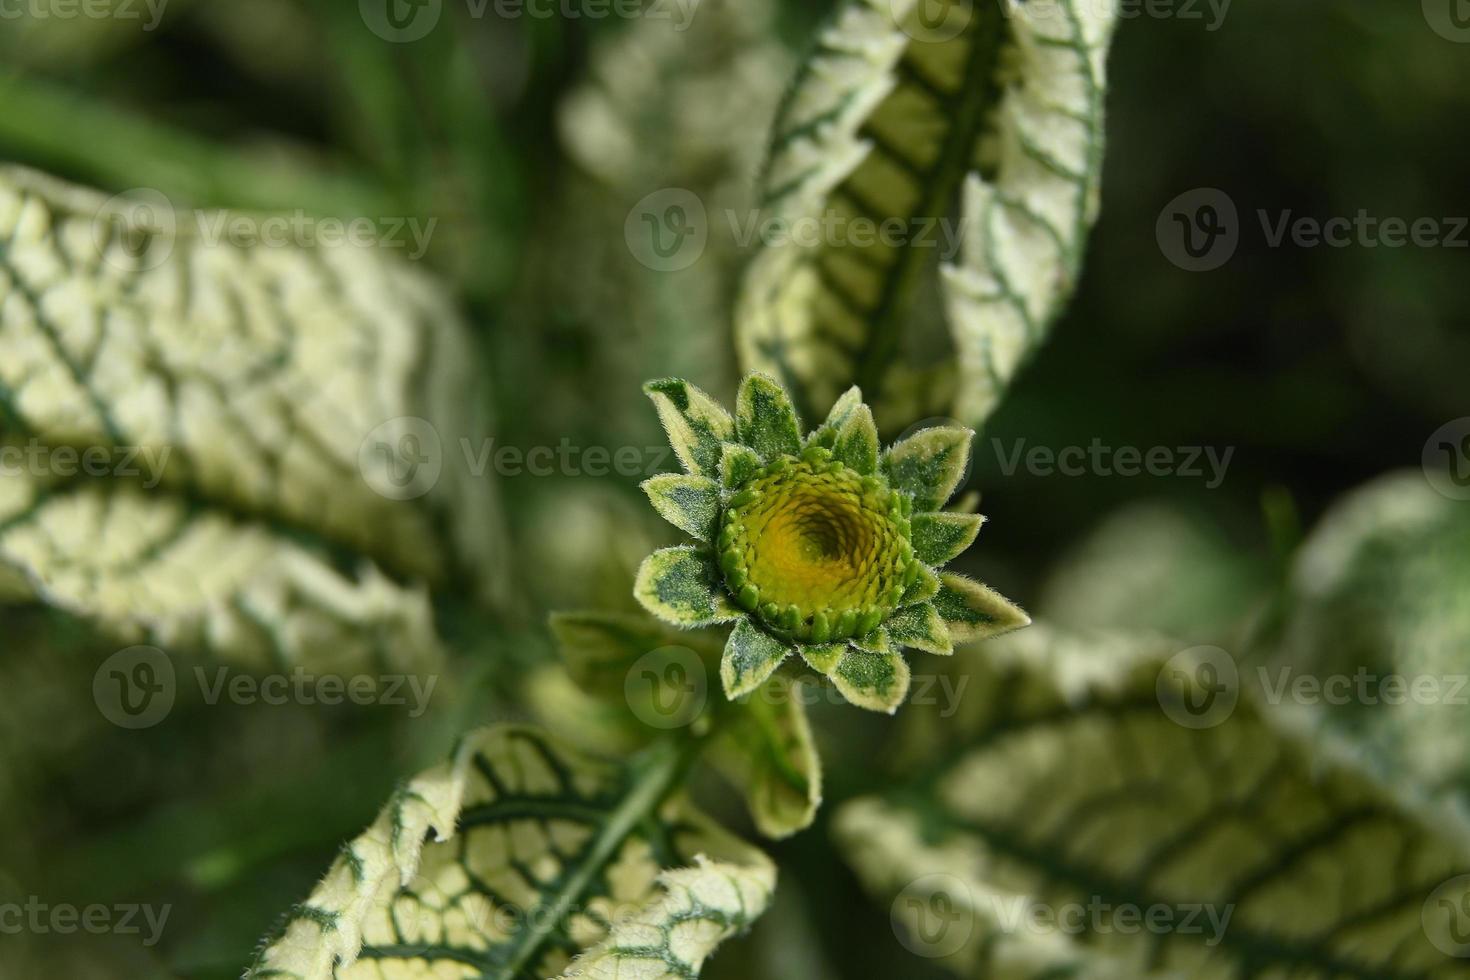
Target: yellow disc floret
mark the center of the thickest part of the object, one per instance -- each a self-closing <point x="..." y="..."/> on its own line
<point x="815" y="550"/>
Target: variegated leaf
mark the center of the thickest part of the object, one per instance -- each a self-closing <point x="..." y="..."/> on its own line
<point x="1061" y="785"/>
<point x="913" y="112"/>
<point x="250" y="449"/>
<point x="539" y="853"/>
<point x="1378" y="605"/>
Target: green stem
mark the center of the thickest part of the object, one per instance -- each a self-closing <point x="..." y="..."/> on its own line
<point x="56" y="127"/>
<point x="659" y="773"/>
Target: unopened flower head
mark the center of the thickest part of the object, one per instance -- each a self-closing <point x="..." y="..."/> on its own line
<point x="823" y="544"/>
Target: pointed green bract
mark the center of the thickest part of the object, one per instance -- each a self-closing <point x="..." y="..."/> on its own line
<point x="925" y="586"/>
<point x="765" y="419"/>
<point x="738" y="463"/>
<point x="929" y="464"/>
<point x="922" y="628"/>
<point x="823" y="657"/>
<point x="975" y="612"/>
<point x="856" y="444"/>
<point x="690" y="503"/>
<point x="682" y="586"/>
<point x="875" y="641"/>
<point x="696" y="424"/>
<point x="842" y="410"/>
<point x="768" y="752"/>
<point x="751" y="656"/>
<point x="875" y="681"/>
<point x="940" y="536"/>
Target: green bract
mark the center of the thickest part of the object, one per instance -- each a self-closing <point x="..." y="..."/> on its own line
<point x="820" y="544"/>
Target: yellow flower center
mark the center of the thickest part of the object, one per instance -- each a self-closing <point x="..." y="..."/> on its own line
<point x="817" y="551"/>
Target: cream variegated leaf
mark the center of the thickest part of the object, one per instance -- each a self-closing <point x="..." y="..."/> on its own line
<point x="1062" y="787"/>
<point x="975" y="127"/>
<point x="275" y="433"/>
<point x="539" y="855"/>
<point x="1378" y="604"/>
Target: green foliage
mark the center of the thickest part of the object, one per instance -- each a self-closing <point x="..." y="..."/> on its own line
<point x="1061" y="786"/>
<point x="815" y="551"/>
<point x="320" y="489"/>
<point x="991" y="110"/>
<point x="249" y="407"/>
<point x="543" y="861"/>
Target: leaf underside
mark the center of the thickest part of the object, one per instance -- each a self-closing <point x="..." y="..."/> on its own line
<point x="984" y="148"/>
<point x="541" y="854"/>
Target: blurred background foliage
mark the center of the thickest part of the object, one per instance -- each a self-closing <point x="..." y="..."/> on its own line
<point x="529" y="139"/>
